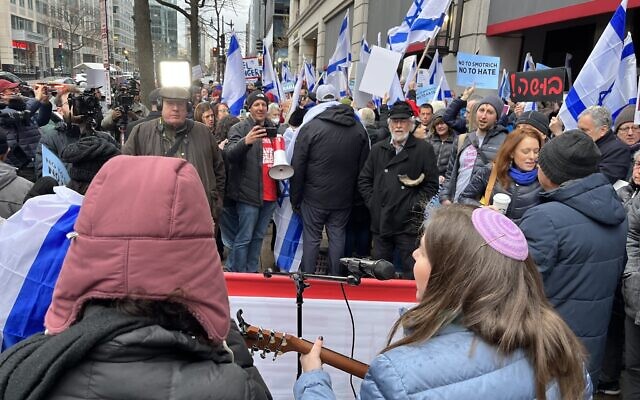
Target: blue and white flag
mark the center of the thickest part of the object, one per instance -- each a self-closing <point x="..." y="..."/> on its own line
<point x="310" y="76"/>
<point x="625" y="86"/>
<point x="337" y="68"/>
<point x="529" y="65"/>
<point x="395" y="92"/>
<point x="365" y="50"/>
<point x="295" y="99"/>
<point x="597" y="77"/>
<point x="285" y="74"/>
<point x="422" y="22"/>
<point x="505" y="86"/>
<point x="33" y="244"/>
<point x="234" y="86"/>
<point x="411" y="75"/>
<point x="436" y="76"/>
<point x="288" y="247"/>
<point x="270" y="83"/>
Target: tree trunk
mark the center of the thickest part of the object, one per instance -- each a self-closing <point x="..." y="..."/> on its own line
<point x="194" y="28"/>
<point x="144" y="47"/>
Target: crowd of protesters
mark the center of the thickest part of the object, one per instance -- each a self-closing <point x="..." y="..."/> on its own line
<point x="370" y="177"/>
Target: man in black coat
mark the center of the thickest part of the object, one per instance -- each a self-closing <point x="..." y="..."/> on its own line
<point x="399" y="177"/>
<point x="329" y="152"/>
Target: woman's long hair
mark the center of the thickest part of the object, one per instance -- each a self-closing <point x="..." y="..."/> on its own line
<point x="499" y="299"/>
<point x="503" y="158"/>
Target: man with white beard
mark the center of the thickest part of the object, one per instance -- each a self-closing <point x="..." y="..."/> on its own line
<point x="399" y="177"/>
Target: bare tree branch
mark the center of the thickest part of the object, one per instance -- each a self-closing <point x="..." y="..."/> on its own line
<point x="175" y="7"/>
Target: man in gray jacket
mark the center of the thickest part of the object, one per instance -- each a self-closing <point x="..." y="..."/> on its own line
<point x="12" y="187"/>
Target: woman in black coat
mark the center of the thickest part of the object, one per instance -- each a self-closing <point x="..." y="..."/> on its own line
<point x="516" y="174"/>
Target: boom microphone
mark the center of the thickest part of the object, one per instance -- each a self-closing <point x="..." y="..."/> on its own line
<point x="379" y="269"/>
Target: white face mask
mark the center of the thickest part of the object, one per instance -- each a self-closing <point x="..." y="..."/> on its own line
<point x="275" y="120"/>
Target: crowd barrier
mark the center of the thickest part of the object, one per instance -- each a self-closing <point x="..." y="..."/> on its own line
<point x="270" y="303"/>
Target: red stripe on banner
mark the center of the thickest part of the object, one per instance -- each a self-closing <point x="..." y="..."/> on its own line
<point x="586" y="9"/>
<point x="256" y="285"/>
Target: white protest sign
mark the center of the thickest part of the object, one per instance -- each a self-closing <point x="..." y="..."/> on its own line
<point x="422" y="78"/>
<point x="425" y="94"/>
<point x="197" y="72"/>
<point x="252" y="69"/>
<point x="407" y="65"/>
<point x="380" y="71"/>
<point x="636" y="119"/>
<point x="360" y="98"/>
<point x="95" y="78"/>
<point x="53" y="167"/>
<point x="483" y="71"/>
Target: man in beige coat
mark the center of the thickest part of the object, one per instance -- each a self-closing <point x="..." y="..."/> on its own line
<point x="173" y="135"/>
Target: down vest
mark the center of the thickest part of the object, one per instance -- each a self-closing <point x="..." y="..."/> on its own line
<point x="577" y="238"/>
<point x="454" y="364"/>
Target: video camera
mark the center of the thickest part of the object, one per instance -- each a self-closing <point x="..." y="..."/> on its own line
<point x="85" y="104"/>
<point x="124" y="97"/>
<point x="14" y="117"/>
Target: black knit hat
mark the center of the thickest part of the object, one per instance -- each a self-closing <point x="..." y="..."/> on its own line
<point x="536" y="119"/>
<point x="255" y="96"/>
<point x="87" y="155"/>
<point x="297" y="116"/>
<point x="572" y="155"/>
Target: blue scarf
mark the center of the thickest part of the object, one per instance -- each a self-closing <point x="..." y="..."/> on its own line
<point x="523" y="178"/>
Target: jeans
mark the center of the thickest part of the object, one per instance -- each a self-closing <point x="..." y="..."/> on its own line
<point x="251" y="227"/>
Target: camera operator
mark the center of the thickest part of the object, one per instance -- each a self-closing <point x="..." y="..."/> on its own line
<point x="126" y="108"/>
<point x="77" y="111"/>
<point x="21" y="117"/>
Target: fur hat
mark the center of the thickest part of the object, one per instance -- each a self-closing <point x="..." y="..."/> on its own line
<point x="572" y="155"/>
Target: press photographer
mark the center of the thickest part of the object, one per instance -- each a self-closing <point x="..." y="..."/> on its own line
<point x="20" y="117"/>
<point x="77" y="111"/>
<point x="125" y="108"/>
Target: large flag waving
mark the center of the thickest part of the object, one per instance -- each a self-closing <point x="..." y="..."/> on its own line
<point x="310" y="76"/>
<point x="423" y="20"/>
<point x="285" y="74"/>
<point x="234" y="86"/>
<point x="623" y="91"/>
<point x="338" y="65"/>
<point x="270" y="83"/>
<point x="595" y="81"/>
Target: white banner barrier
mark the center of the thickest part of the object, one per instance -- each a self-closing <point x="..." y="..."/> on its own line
<point x="271" y="304"/>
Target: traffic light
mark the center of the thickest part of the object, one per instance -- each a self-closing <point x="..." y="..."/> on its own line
<point x="60" y="44"/>
<point x="221" y="41"/>
<point x="215" y="51"/>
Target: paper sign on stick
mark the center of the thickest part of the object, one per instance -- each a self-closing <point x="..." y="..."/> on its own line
<point x="483" y="71"/>
<point x="53" y="167"/>
<point x="380" y="70"/>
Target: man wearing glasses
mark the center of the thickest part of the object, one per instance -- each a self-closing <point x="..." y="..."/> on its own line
<point x="625" y="129"/>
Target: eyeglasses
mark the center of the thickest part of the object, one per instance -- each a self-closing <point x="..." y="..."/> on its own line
<point x="629" y="128"/>
<point x="636" y="164"/>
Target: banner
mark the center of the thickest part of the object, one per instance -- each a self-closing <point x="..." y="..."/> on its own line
<point x="53" y="167"/>
<point x="541" y="85"/>
<point x="422" y="78"/>
<point x="252" y="69"/>
<point x="288" y="87"/>
<point x="425" y="94"/>
<point x="481" y="71"/>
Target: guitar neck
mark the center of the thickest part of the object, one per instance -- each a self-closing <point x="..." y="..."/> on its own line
<point x="337" y="360"/>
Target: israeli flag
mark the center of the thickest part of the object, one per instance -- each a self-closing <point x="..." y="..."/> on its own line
<point x="338" y="65"/>
<point x="596" y="80"/>
<point x="295" y="99"/>
<point x="395" y="93"/>
<point x="310" y="76"/>
<point x="504" y="91"/>
<point x="234" y="86"/>
<point x="285" y="74"/>
<point x="33" y="244"/>
<point x="436" y="75"/>
<point x="365" y="51"/>
<point x="624" y="89"/>
<point x="270" y="83"/>
<point x="529" y="65"/>
<point x="423" y="20"/>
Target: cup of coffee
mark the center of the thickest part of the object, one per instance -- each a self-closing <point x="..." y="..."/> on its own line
<point x="501" y="202"/>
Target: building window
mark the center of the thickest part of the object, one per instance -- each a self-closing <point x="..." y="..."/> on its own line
<point x="21" y="3"/>
<point x="30" y="4"/>
<point x="21" y="24"/>
<point x="13" y="1"/>
<point x="41" y="28"/>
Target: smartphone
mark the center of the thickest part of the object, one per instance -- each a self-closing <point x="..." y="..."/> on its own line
<point x="272" y="131"/>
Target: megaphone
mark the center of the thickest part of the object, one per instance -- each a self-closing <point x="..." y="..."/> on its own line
<point x="281" y="168"/>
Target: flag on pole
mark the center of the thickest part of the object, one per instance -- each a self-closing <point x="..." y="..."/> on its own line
<point x="529" y="65"/>
<point x="295" y="99"/>
<point x="365" y="50"/>
<point x="285" y="74"/>
<point x="423" y="20"/>
<point x="338" y="65"/>
<point x="270" y="82"/>
<point x="436" y="75"/>
<point x="310" y="76"/>
<point x="505" y="86"/>
<point x="595" y="81"/>
<point x="395" y="93"/>
<point x="234" y="86"/>
<point x="33" y="244"/>
<point x="411" y="76"/>
<point x="624" y="89"/>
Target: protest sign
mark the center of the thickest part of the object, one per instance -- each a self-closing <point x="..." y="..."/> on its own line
<point x="425" y="94"/>
<point x="542" y="85"/>
<point x="481" y="71"/>
<point x="196" y="72"/>
<point x="288" y="87"/>
<point x="407" y="66"/>
<point x="252" y="69"/>
<point x="422" y="79"/>
<point x="53" y="167"/>
<point x="360" y="98"/>
<point x="380" y="71"/>
<point x="95" y="78"/>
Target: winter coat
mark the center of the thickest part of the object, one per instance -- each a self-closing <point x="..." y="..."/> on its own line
<point x="199" y="148"/>
<point x="12" y="190"/>
<point x="23" y="137"/>
<point x="490" y="145"/>
<point x="454" y="364"/>
<point x="614" y="162"/>
<point x="631" y="275"/>
<point x="443" y="149"/>
<point x="523" y="197"/>
<point x="577" y="238"/>
<point x="452" y="115"/>
<point x="396" y="208"/>
<point x="377" y="133"/>
<point x="328" y="155"/>
<point x="245" y="164"/>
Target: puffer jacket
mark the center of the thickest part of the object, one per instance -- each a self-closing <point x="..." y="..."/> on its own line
<point x="12" y="190"/>
<point x="454" y="364"/>
<point x="329" y="153"/>
<point x="577" y="238"/>
<point x="443" y="149"/>
<point x="490" y="145"/>
<point x="523" y="197"/>
<point x="631" y="275"/>
<point x="245" y="164"/>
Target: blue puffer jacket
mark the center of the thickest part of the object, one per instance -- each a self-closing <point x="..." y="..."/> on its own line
<point x="454" y="364"/>
<point x="577" y="237"/>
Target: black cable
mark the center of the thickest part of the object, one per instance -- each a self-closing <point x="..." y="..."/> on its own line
<point x="353" y="336"/>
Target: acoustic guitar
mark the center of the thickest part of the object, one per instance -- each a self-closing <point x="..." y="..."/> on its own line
<point x="267" y="341"/>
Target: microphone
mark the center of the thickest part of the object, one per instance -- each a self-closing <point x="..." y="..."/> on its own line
<point x="379" y="269"/>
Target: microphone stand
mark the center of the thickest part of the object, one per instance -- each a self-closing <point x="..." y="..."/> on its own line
<point x="300" y="280"/>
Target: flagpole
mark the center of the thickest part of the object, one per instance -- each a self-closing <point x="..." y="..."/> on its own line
<point x="424" y="54"/>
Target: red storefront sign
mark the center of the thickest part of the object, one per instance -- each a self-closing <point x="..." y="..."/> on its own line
<point x="17" y="44"/>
